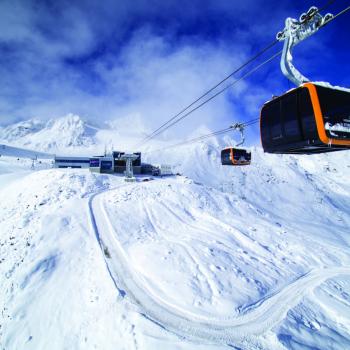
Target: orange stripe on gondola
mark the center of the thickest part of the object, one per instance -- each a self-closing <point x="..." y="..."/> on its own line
<point x="319" y="118"/>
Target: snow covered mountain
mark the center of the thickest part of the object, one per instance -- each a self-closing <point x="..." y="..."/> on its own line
<point x="73" y="135"/>
<point x="56" y="134"/>
<point x="251" y="258"/>
<point x="17" y="131"/>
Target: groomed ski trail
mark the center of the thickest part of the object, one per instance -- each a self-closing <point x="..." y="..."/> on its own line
<point x="255" y="321"/>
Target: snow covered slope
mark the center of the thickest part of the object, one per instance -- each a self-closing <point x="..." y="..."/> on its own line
<point x="56" y="134"/>
<point x="255" y="257"/>
<point x="16" y="152"/>
<point x="18" y="131"/>
<point x="71" y="134"/>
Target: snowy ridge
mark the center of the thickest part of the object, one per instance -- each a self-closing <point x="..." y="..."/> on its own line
<point x="10" y="151"/>
<point x="56" y="134"/>
<point x="72" y="135"/>
<point x="16" y="131"/>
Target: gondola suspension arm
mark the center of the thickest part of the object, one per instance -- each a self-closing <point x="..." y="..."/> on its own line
<point x="239" y="127"/>
<point x="294" y="32"/>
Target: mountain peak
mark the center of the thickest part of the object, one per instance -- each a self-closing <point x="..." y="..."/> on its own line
<point x="57" y="133"/>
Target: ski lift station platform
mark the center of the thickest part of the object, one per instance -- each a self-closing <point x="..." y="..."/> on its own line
<point x="113" y="163"/>
<point x="71" y="162"/>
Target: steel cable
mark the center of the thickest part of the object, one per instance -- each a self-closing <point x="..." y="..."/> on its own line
<point x="171" y="122"/>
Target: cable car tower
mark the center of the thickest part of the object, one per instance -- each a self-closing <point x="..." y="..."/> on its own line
<point x="233" y="155"/>
<point x="312" y="118"/>
<point x="129" y="158"/>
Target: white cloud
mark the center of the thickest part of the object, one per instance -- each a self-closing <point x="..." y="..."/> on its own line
<point x="122" y="66"/>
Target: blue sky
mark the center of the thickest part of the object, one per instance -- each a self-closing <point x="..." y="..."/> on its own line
<point x="145" y="60"/>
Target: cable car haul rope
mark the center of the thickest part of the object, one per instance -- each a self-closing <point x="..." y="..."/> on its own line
<point x="312" y="118"/>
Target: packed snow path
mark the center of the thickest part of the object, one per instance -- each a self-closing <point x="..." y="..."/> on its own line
<point x="254" y="321"/>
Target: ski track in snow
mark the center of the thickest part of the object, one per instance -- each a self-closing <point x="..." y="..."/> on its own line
<point x="254" y="321"/>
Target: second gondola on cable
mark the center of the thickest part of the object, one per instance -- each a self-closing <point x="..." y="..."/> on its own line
<point x="235" y="156"/>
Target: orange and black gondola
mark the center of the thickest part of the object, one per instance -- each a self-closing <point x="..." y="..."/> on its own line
<point x="235" y="156"/>
<point x="309" y="119"/>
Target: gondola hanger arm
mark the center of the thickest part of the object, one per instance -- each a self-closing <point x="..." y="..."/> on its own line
<point x="294" y="32"/>
<point x="239" y="127"/>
